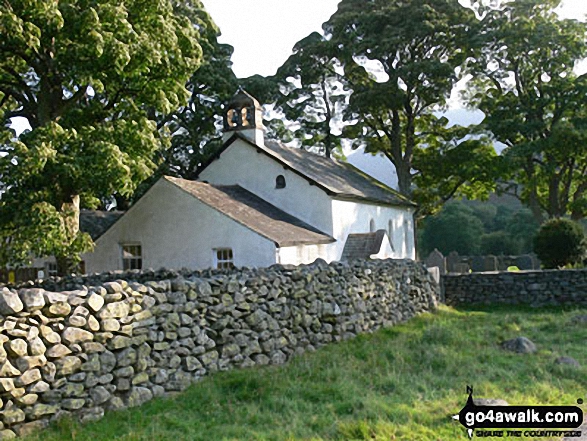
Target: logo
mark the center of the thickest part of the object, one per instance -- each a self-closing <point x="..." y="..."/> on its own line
<point x="475" y="417"/>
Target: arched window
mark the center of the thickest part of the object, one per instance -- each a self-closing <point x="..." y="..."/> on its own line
<point x="280" y="182"/>
<point x="372" y="226"/>
<point x="390" y="233"/>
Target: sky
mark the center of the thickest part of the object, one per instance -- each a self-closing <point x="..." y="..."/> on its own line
<point x="263" y="32"/>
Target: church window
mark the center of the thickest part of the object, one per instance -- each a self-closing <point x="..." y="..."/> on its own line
<point x="390" y="233"/>
<point x="280" y="182"/>
<point x="132" y="256"/>
<point x="372" y="226"/>
<point x="223" y="258"/>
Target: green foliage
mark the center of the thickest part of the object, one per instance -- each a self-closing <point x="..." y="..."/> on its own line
<point x="418" y="47"/>
<point x="560" y="242"/>
<point x="524" y="82"/>
<point x="504" y="230"/>
<point x="90" y="78"/>
<point x="195" y="127"/>
<point x="499" y="242"/>
<point x="455" y="228"/>
<point x="416" y="377"/>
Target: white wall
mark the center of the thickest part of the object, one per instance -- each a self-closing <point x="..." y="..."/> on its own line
<point x="241" y="164"/>
<point x="352" y="217"/>
<point x="302" y="254"/>
<point x="176" y="230"/>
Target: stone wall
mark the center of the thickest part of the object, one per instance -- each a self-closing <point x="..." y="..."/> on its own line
<point x="119" y="343"/>
<point x="536" y="288"/>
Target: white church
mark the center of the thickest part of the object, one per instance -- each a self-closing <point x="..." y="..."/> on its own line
<point x="255" y="204"/>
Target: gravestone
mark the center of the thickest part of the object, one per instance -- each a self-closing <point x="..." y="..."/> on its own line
<point x="535" y="262"/>
<point x="524" y="262"/>
<point x="452" y="260"/>
<point x="436" y="259"/>
<point x="478" y="264"/>
<point x="490" y="263"/>
<point x="461" y="268"/>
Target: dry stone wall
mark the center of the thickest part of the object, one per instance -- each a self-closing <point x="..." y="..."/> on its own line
<point x="119" y="343"/>
<point x="536" y="288"/>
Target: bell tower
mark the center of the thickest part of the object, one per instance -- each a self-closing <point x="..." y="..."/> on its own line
<point x="244" y="114"/>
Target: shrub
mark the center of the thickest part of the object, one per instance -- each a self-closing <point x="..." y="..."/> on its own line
<point x="499" y="243"/>
<point x="559" y="242"/>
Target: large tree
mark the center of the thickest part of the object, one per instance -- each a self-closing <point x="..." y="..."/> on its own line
<point x="418" y="47"/>
<point x="524" y="82"/>
<point x="89" y="76"/>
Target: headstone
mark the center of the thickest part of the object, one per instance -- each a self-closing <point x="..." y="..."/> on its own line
<point x="490" y="263"/>
<point x="524" y="262"/>
<point x="478" y="264"/>
<point x="452" y="259"/>
<point x="535" y="262"/>
<point x="461" y="268"/>
<point x="436" y="260"/>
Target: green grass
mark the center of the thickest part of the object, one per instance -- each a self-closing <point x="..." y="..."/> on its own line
<point x="401" y="383"/>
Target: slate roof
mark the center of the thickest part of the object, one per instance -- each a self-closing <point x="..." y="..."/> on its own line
<point x="336" y="178"/>
<point x="253" y="212"/>
<point x="362" y="246"/>
<point x="95" y="222"/>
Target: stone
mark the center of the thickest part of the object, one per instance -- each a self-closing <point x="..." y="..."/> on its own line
<point x="28" y="377"/>
<point x="27" y="399"/>
<point x="36" y="346"/>
<point x="33" y="299"/>
<point x="7" y="434"/>
<point x="569" y="361"/>
<point x="114" y="310"/>
<point x="520" y="345"/>
<point x="12" y="415"/>
<point x="91" y="346"/>
<point x="100" y="395"/>
<point x="95" y="302"/>
<point x="39" y="387"/>
<point x="68" y="365"/>
<point x="7" y="370"/>
<point x="30" y="428"/>
<point x="107" y="361"/>
<point x="40" y="410"/>
<point x="49" y="371"/>
<point x="77" y="320"/>
<point x="143" y="377"/>
<point x="57" y="351"/>
<point x="91" y="414"/>
<point x="6" y="384"/>
<point x="59" y="309"/>
<point x="29" y="362"/>
<point x="138" y="395"/>
<point x="73" y="403"/>
<point x="126" y="357"/>
<point x="75" y="335"/>
<point x="17" y="347"/>
<point x="110" y="325"/>
<point x="119" y="342"/>
<point x="93" y="324"/>
<point x="54" y="297"/>
<point x="10" y="303"/>
<point x="112" y="287"/>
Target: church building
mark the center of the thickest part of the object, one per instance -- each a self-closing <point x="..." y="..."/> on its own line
<point x="257" y="203"/>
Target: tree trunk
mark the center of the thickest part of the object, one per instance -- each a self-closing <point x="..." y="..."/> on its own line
<point x="70" y="211"/>
<point x="404" y="178"/>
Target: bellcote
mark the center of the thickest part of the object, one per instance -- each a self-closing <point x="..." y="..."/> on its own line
<point x="244" y="114"/>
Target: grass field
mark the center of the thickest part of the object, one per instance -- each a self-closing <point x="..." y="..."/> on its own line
<point x="401" y="383"/>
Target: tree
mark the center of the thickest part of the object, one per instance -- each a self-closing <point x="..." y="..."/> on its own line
<point x="454" y="228"/>
<point x="194" y="127"/>
<point x="89" y="76"/>
<point x="560" y="242"/>
<point x="533" y="102"/>
<point x="311" y="93"/>
<point x="418" y="47"/>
